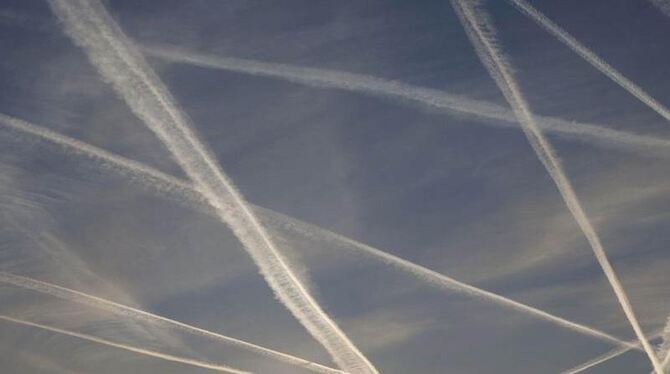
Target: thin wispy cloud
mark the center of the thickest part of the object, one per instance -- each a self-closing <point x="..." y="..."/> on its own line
<point x="89" y="25"/>
<point x="127" y="347"/>
<point x="482" y="35"/>
<point x="184" y="193"/>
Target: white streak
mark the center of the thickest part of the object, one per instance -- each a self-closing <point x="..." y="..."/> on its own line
<point x="616" y="352"/>
<point x="91" y="27"/>
<point x="146" y="352"/>
<point x="591" y="57"/>
<point x="141" y="315"/>
<point x="488" y="113"/>
<point x="183" y="192"/>
<point x="481" y="34"/>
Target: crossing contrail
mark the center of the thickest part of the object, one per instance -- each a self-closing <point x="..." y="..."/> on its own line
<point x="184" y="193"/>
<point x="141" y="315"/>
<point x="488" y="113"/>
<point x="591" y="57"/>
<point x="142" y="351"/>
<point x="616" y="352"/>
<point x="90" y="26"/>
<point x="482" y="36"/>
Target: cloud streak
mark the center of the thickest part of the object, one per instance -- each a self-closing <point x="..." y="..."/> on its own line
<point x="126" y="347"/>
<point x="184" y="193"/>
<point x="591" y="57"/>
<point x="141" y="315"/>
<point x="92" y="28"/>
<point x="482" y="36"/>
<point x="490" y="114"/>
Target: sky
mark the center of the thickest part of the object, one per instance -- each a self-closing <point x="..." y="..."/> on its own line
<point x="355" y="130"/>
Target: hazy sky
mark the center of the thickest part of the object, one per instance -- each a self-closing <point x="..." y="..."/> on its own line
<point x="458" y="193"/>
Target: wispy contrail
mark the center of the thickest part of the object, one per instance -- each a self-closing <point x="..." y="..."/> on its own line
<point x="183" y="192"/>
<point x="664" y="349"/>
<point x="117" y="60"/>
<point x="143" y="351"/>
<point x="141" y="315"/>
<point x="616" y="352"/>
<point x="488" y="113"/>
<point x="591" y="57"/>
<point x="481" y="34"/>
<point x="662" y="5"/>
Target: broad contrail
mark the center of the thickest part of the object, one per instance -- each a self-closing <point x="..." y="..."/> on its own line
<point x="183" y="192"/>
<point x="616" y="352"/>
<point x="141" y="315"/>
<point x="90" y="26"/>
<point x="591" y="57"/>
<point x="482" y="36"/>
<point x="487" y="113"/>
<point x="142" y="351"/>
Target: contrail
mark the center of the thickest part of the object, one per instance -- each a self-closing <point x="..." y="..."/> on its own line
<point x="662" y="5"/>
<point x="146" y="352"/>
<point x="591" y="57"/>
<point x="141" y="315"/>
<point x="616" y="352"/>
<point x="183" y="192"/>
<point x="90" y="26"/>
<point x="490" y="114"/>
<point x="482" y="36"/>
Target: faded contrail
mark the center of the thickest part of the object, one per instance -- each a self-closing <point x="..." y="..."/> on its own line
<point x="591" y="57"/>
<point x="117" y="60"/>
<point x="616" y="352"/>
<point x="492" y="114"/>
<point x="141" y="315"/>
<point x="482" y="36"/>
<point x="183" y="192"/>
<point x="146" y="352"/>
<point x="662" y="5"/>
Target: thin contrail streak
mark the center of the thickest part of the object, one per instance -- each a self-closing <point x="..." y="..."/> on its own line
<point x="142" y="351"/>
<point x="591" y="57"/>
<point x="491" y="114"/>
<point x="616" y="352"/>
<point x="141" y="315"/>
<point x="183" y="192"/>
<point x="481" y="33"/>
<point x="91" y="27"/>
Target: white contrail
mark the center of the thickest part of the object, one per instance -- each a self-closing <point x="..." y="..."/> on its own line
<point x="117" y="60"/>
<point x="481" y="34"/>
<point x="143" y="351"/>
<point x="616" y="352"/>
<point x="141" y="315"/>
<point x="488" y="113"/>
<point x="183" y="192"/>
<point x="591" y="57"/>
<point x="664" y="349"/>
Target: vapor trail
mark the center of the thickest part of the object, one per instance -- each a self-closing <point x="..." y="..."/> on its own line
<point x="141" y="315"/>
<point x="616" y="352"/>
<point x="591" y="57"/>
<point x="183" y="192"/>
<point x="91" y="27"/>
<point x="146" y="352"/>
<point x="488" y="113"/>
<point x="482" y="36"/>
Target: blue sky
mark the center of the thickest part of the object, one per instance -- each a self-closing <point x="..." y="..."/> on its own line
<point x="456" y="193"/>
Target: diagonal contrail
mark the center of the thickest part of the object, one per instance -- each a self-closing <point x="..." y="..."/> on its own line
<point x="616" y="352"/>
<point x="591" y="57"/>
<point x="488" y="113"/>
<point x="90" y="26"/>
<point x="126" y="347"/>
<point x="141" y="315"/>
<point x="481" y="34"/>
<point x="183" y="192"/>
